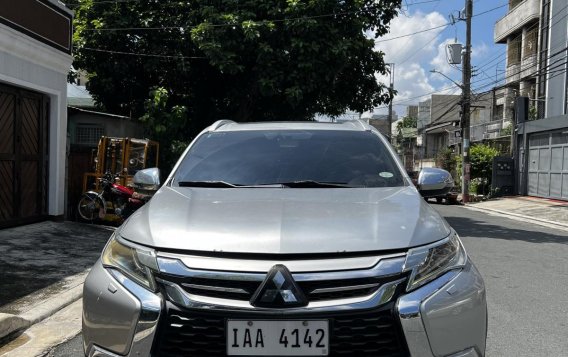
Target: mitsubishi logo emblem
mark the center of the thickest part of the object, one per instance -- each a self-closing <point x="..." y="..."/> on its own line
<point x="278" y="290"/>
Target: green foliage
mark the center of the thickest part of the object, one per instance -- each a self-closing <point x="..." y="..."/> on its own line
<point x="244" y="60"/>
<point x="446" y="159"/>
<point x="481" y="159"/>
<point x="507" y="131"/>
<point x="533" y="113"/>
<point x="406" y="122"/>
<point x="163" y="123"/>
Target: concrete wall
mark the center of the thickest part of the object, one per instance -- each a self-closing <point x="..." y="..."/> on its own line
<point x="30" y="64"/>
<point x="113" y="126"/>
<point x="556" y="83"/>
<point x="516" y="18"/>
<point x="424" y="113"/>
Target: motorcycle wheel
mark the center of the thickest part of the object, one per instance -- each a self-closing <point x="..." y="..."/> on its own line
<point x="89" y="207"/>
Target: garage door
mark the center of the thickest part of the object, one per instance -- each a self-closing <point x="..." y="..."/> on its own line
<point x="23" y="156"/>
<point x="548" y="165"/>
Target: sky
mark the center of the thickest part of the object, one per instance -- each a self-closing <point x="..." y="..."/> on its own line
<point x="414" y="56"/>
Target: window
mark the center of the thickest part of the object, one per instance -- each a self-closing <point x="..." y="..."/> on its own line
<point x="514" y="51"/>
<point x="531" y="41"/>
<point x="88" y="134"/>
<point x="498" y="115"/>
<point x="356" y="159"/>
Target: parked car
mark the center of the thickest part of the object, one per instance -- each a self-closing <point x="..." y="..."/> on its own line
<point x="437" y="183"/>
<point x="285" y="239"/>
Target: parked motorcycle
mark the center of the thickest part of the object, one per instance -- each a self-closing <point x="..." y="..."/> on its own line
<point x="121" y="200"/>
<point x="112" y="198"/>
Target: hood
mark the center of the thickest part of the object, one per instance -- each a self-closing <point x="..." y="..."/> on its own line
<point x="285" y="220"/>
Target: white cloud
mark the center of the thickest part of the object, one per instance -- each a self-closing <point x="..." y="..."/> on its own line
<point x="415" y="46"/>
<point x="409" y="54"/>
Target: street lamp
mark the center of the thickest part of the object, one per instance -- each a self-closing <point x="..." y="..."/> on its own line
<point x="460" y="86"/>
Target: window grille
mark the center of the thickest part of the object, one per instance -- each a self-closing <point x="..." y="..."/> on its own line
<point x="514" y="51"/>
<point x="88" y="134"/>
<point x="531" y="42"/>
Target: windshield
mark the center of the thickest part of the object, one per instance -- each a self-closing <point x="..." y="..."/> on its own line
<point x="294" y="158"/>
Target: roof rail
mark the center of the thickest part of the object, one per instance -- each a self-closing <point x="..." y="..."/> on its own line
<point x="361" y="123"/>
<point x="220" y="123"/>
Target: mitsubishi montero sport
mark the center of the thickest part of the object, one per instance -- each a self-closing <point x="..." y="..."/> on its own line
<point x="285" y="239"/>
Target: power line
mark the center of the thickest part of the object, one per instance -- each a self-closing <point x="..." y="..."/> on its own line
<point x="536" y="24"/>
<point x="177" y="3"/>
<point x="411" y="99"/>
<point x="421" y="48"/>
<point x="490" y="10"/>
<point x="188" y="27"/>
<point x="141" y="54"/>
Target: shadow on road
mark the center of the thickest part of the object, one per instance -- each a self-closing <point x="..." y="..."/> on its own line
<point x="468" y="227"/>
<point x="39" y="255"/>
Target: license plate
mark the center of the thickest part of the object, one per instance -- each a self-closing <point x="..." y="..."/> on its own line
<point x="277" y="337"/>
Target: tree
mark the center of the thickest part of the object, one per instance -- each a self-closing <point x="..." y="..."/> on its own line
<point x="406" y="122"/>
<point x="481" y="160"/>
<point x="245" y="60"/>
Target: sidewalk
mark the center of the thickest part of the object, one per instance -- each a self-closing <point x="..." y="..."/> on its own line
<point x="42" y="269"/>
<point x="542" y="210"/>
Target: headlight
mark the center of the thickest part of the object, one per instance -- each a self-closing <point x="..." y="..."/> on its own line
<point x="132" y="260"/>
<point x="429" y="262"/>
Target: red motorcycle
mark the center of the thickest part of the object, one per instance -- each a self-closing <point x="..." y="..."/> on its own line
<point x="112" y="198"/>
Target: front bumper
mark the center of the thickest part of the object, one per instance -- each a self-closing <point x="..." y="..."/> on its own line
<point x="447" y="317"/>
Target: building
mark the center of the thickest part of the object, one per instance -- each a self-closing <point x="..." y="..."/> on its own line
<point x="412" y="111"/>
<point x="535" y="32"/>
<point x="85" y="127"/>
<point x="380" y="121"/>
<point x="439" y="125"/>
<point x="35" y="57"/>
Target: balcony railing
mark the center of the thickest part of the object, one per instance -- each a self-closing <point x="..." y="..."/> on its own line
<point x="486" y="131"/>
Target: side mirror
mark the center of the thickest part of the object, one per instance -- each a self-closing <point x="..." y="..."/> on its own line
<point x="147" y="179"/>
<point x="434" y="182"/>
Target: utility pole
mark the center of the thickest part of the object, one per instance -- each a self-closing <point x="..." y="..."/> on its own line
<point x="389" y="130"/>
<point x="466" y="102"/>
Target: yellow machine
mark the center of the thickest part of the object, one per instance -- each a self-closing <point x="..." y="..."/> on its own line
<point x="123" y="156"/>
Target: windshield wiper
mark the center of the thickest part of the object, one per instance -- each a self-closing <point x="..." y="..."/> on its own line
<point x="215" y="184"/>
<point x="314" y="184"/>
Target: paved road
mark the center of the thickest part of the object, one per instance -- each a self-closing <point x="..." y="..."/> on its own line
<point x="526" y="275"/>
<point x="525" y="267"/>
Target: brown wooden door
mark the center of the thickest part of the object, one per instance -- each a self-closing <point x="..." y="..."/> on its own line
<point x="23" y="156"/>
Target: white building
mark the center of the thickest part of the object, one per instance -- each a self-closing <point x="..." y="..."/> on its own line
<point x="35" y="57"/>
<point x="536" y="34"/>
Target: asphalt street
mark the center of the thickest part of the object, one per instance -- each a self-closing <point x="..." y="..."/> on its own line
<point x="526" y="275"/>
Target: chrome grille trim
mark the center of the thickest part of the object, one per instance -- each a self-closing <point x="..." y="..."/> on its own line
<point x="263" y="265"/>
<point x="179" y="296"/>
<point x="384" y="268"/>
<point x="193" y="288"/>
<point x="215" y="288"/>
<point x="344" y="288"/>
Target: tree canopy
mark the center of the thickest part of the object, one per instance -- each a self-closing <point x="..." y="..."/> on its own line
<point x="246" y="60"/>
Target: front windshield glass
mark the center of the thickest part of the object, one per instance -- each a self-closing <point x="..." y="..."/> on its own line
<point x="265" y="157"/>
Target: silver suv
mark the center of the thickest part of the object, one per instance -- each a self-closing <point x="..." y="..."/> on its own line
<point x="287" y="239"/>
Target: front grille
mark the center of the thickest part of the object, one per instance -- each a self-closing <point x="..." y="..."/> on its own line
<point x="315" y="290"/>
<point x="199" y="333"/>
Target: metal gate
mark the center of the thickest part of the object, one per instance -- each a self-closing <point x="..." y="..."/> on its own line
<point x="548" y="165"/>
<point x="23" y="156"/>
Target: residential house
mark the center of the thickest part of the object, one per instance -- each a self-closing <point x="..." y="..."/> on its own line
<point x="35" y="57"/>
<point x="536" y="33"/>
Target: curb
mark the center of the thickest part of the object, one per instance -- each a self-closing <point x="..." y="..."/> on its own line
<point x="10" y="324"/>
<point x="519" y="216"/>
